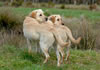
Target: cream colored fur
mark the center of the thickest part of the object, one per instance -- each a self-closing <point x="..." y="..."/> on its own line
<point x="42" y="33"/>
<point x="64" y="32"/>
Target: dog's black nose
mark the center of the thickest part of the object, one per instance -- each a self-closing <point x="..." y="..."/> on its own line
<point x="62" y="23"/>
<point x="46" y="19"/>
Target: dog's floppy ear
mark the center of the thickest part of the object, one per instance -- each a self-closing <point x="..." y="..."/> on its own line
<point x="53" y="19"/>
<point x="32" y="14"/>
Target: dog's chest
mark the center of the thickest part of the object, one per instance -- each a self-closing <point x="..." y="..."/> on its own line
<point x="62" y="33"/>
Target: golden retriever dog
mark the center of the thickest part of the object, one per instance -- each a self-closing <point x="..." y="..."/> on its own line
<point x="64" y="32"/>
<point x="59" y="48"/>
<point x="42" y="33"/>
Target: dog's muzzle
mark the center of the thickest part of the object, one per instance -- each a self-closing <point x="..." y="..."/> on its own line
<point x="62" y="23"/>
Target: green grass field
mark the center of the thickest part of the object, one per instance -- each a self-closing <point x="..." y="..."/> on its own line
<point x="91" y="15"/>
<point x="94" y="16"/>
<point x="14" y="58"/>
<point x="17" y="58"/>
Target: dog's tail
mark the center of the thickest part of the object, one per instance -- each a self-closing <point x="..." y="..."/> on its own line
<point x="69" y="33"/>
<point x="59" y="39"/>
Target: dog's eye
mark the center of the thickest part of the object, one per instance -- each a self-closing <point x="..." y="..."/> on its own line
<point x="57" y="19"/>
<point x="40" y="14"/>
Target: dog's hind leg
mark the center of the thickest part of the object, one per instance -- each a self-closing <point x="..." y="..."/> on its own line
<point x="68" y="54"/>
<point x="45" y="51"/>
<point x="58" y="58"/>
<point x="29" y="46"/>
<point x="58" y="55"/>
<point x="61" y="51"/>
<point x="68" y="51"/>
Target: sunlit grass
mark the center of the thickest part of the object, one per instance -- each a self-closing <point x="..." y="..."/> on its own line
<point x="14" y="58"/>
<point x="17" y="58"/>
<point x="92" y="15"/>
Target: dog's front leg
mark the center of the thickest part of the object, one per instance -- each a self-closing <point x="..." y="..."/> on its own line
<point x="38" y="50"/>
<point x="61" y="50"/>
<point x="58" y="58"/>
<point x="29" y="46"/>
<point x="68" y="51"/>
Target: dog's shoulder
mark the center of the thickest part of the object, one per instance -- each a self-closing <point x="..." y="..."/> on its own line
<point x="29" y="20"/>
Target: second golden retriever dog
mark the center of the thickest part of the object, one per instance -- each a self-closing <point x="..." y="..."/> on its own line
<point x="42" y="33"/>
<point x="64" y="32"/>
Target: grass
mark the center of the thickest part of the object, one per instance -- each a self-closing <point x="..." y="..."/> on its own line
<point x="14" y="58"/>
<point x="92" y="15"/>
<point x="17" y="58"/>
<point x="65" y="12"/>
<point x="1" y="3"/>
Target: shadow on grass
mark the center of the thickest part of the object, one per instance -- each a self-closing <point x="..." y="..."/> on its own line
<point x="33" y="57"/>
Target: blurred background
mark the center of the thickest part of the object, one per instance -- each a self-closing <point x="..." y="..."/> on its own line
<point x="81" y="16"/>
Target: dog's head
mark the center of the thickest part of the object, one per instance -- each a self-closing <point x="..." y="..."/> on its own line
<point x="56" y="19"/>
<point x="38" y="15"/>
